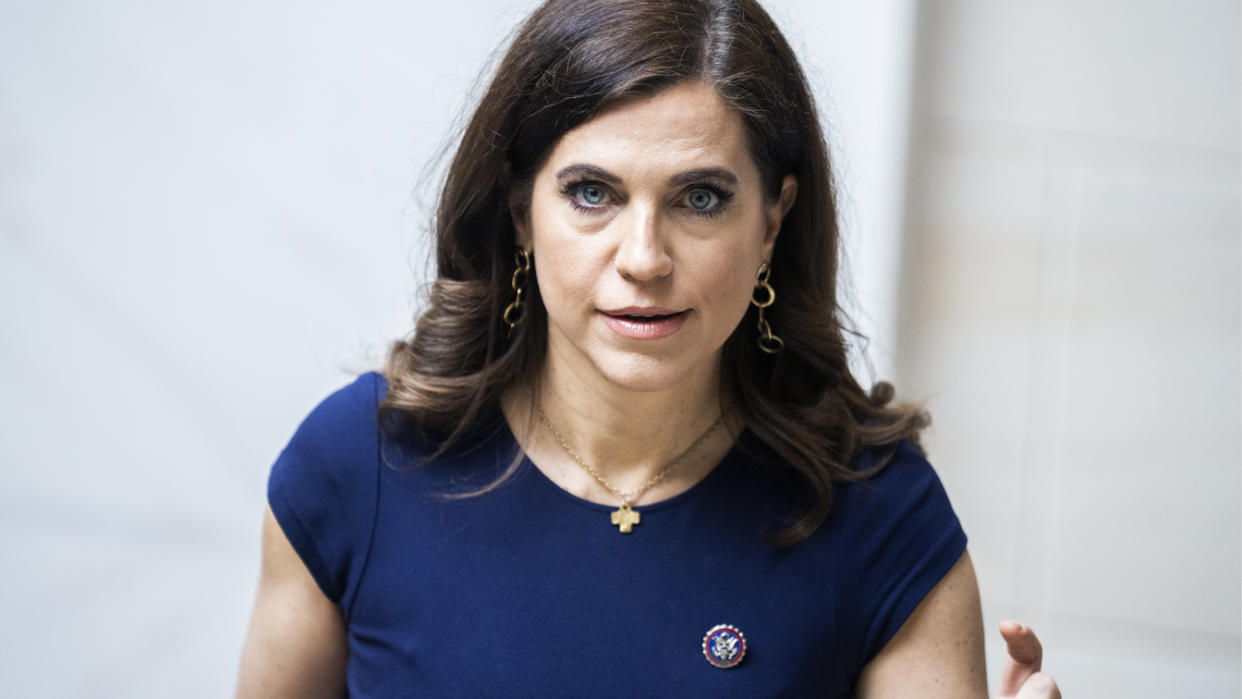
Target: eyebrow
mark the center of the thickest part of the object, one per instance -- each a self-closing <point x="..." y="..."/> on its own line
<point x="683" y="178"/>
<point x="587" y="171"/>
<point x="710" y="173"/>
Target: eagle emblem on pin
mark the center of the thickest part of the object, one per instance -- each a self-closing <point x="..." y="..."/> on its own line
<point x="724" y="646"/>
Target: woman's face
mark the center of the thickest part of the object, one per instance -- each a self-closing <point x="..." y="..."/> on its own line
<point x="648" y="224"/>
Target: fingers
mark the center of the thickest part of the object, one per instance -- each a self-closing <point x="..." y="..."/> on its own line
<point x="1024" y="647"/>
<point x="1039" y="686"/>
<point x="1025" y="656"/>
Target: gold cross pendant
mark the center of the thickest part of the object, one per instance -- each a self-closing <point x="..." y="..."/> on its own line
<point x="625" y="518"/>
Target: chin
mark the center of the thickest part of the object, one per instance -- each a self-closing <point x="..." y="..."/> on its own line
<point x="648" y="374"/>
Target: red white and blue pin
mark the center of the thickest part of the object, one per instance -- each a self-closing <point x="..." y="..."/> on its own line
<point x="724" y="646"/>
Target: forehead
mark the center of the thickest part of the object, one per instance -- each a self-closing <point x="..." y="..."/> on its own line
<point x="683" y="127"/>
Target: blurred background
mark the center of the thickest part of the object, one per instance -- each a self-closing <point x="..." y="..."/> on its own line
<point x="213" y="214"/>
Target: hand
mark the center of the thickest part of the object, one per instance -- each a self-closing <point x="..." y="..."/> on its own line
<point x="1021" y="678"/>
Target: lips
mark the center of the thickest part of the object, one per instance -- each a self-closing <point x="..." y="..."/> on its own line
<point x="644" y="322"/>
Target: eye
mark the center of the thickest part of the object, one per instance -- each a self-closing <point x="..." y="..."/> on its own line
<point x="586" y="195"/>
<point x="592" y="195"/>
<point x="706" y="200"/>
<point x="702" y="200"/>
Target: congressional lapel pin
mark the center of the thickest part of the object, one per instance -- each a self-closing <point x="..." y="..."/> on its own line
<point x="724" y="646"/>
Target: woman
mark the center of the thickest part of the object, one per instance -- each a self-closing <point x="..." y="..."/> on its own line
<point x="613" y="459"/>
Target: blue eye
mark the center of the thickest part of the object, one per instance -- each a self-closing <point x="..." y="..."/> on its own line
<point x="708" y="201"/>
<point x="586" y="196"/>
<point x="592" y="195"/>
<point x="702" y="200"/>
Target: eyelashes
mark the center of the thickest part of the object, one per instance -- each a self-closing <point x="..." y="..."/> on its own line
<point x="707" y="200"/>
<point x="587" y="195"/>
<point x="704" y="199"/>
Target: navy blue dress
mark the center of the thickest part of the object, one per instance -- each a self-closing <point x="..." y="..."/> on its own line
<point x="530" y="591"/>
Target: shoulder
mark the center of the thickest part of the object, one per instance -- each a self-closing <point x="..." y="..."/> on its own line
<point x="324" y="484"/>
<point x="348" y="410"/>
<point x="900" y="492"/>
<point x="901" y="456"/>
<point x="343" y="422"/>
<point x="897" y="476"/>
<point x="899" y="537"/>
<point x="334" y="438"/>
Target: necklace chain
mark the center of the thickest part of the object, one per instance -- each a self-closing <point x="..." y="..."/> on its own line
<point x="627" y="497"/>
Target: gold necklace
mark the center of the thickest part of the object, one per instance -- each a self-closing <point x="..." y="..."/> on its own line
<point x="624" y="516"/>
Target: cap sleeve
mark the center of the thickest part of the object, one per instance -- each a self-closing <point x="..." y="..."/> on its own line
<point x="900" y="537"/>
<point x="323" y="488"/>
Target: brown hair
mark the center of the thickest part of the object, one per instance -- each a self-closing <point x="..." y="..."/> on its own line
<point x="569" y="61"/>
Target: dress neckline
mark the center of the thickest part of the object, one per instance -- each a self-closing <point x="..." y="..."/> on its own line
<point x="727" y="461"/>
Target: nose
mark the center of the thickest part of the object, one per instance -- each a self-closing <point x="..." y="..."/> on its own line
<point x="643" y="254"/>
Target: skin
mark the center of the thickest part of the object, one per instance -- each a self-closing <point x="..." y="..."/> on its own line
<point x="1021" y="678"/>
<point x="655" y="203"/>
<point x="296" y="643"/>
<point x="938" y="651"/>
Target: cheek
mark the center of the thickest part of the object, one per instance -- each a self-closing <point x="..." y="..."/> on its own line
<point x="730" y="279"/>
<point x="560" y="284"/>
<point x="565" y="282"/>
<point x="554" y="256"/>
<point x="739" y="296"/>
<point x="569" y="263"/>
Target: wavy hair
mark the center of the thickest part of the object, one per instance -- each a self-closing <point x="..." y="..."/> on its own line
<point x="571" y="59"/>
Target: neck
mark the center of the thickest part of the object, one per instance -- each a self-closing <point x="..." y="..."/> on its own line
<point x="626" y="436"/>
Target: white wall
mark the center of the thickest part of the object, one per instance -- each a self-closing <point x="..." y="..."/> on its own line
<point x="1072" y="311"/>
<point x="859" y="58"/>
<point x="206" y="224"/>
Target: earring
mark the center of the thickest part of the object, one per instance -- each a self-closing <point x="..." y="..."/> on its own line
<point x="767" y="341"/>
<point x="513" y="312"/>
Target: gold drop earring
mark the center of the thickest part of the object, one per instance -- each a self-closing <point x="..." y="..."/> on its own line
<point x="768" y="342"/>
<point x="513" y="312"/>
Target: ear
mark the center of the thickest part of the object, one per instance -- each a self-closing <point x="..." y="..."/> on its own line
<point x="518" y="201"/>
<point x="777" y="210"/>
<point x="519" y="213"/>
<point x="521" y="216"/>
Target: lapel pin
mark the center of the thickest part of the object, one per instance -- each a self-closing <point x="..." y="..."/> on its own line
<point x="724" y="646"/>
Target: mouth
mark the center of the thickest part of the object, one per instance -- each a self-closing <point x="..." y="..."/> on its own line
<point x="642" y="312"/>
<point x="644" y="323"/>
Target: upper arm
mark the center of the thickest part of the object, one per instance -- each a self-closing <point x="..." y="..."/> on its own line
<point x="296" y="645"/>
<point x="938" y="651"/>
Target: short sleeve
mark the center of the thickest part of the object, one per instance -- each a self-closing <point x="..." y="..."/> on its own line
<point x="323" y="488"/>
<point x="900" y="537"/>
